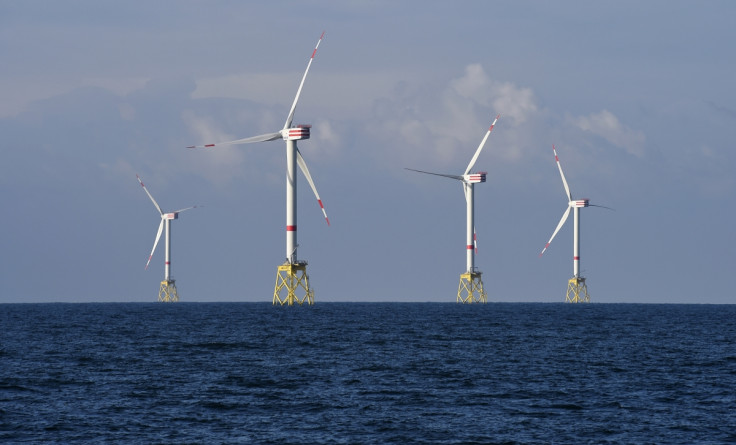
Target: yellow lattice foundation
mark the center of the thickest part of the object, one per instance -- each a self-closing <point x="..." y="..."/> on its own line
<point x="577" y="291"/>
<point x="167" y="292"/>
<point x="289" y="279"/>
<point x="471" y="289"/>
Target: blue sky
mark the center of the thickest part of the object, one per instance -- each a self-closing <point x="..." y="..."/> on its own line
<point x="638" y="98"/>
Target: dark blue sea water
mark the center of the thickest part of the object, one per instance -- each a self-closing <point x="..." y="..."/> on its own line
<point x="367" y="373"/>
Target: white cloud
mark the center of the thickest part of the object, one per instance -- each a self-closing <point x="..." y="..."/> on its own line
<point x="473" y="84"/>
<point x="337" y="93"/>
<point x="504" y="97"/>
<point x="516" y="103"/>
<point x="19" y="93"/>
<point x="326" y="140"/>
<point x="606" y="125"/>
<point x="446" y="128"/>
<point x="268" y="88"/>
<point x="220" y="165"/>
<point x="120" y="86"/>
<point x="121" y="167"/>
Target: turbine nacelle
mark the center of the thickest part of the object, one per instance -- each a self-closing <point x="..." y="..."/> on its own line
<point x="173" y="215"/>
<point x="296" y="133"/>
<point x="578" y="203"/>
<point x="475" y="178"/>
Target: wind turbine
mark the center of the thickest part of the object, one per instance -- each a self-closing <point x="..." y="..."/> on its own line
<point x="470" y="289"/>
<point x="577" y="290"/>
<point x="291" y="274"/>
<point x="167" y="291"/>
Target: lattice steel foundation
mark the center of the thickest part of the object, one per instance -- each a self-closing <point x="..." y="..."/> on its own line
<point x="291" y="279"/>
<point x="577" y="291"/>
<point x="471" y="289"/>
<point x="167" y="292"/>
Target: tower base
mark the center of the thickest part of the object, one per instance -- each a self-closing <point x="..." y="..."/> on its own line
<point x="289" y="279"/>
<point x="577" y="291"/>
<point x="167" y="292"/>
<point x="471" y="289"/>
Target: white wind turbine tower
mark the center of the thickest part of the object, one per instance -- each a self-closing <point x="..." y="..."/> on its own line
<point x="470" y="289"/>
<point x="577" y="290"/>
<point x="291" y="275"/>
<point x="167" y="291"/>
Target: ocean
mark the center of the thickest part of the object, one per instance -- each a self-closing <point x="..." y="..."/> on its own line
<point x="367" y="373"/>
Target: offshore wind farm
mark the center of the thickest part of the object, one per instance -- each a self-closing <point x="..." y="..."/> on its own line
<point x="377" y="344"/>
<point x="87" y="99"/>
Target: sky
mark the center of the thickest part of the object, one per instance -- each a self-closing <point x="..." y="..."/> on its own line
<point x="637" y="97"/>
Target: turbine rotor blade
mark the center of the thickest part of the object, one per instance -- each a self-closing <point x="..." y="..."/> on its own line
<point x="305" y="170"/>
<point x="475" y="241"/>
<point x="149" y="195"/>
<point x="259" y="138"/>
<point x="155" y="243"/>
<point x="564" y="181"/>
<point x="559" y="226"/>
<point x="480" y="147"/>
<point x="603" y="207"/>
<point x="188" y="208"/>
<point x="459" y="178"/>
<point x="290" y="118"/>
